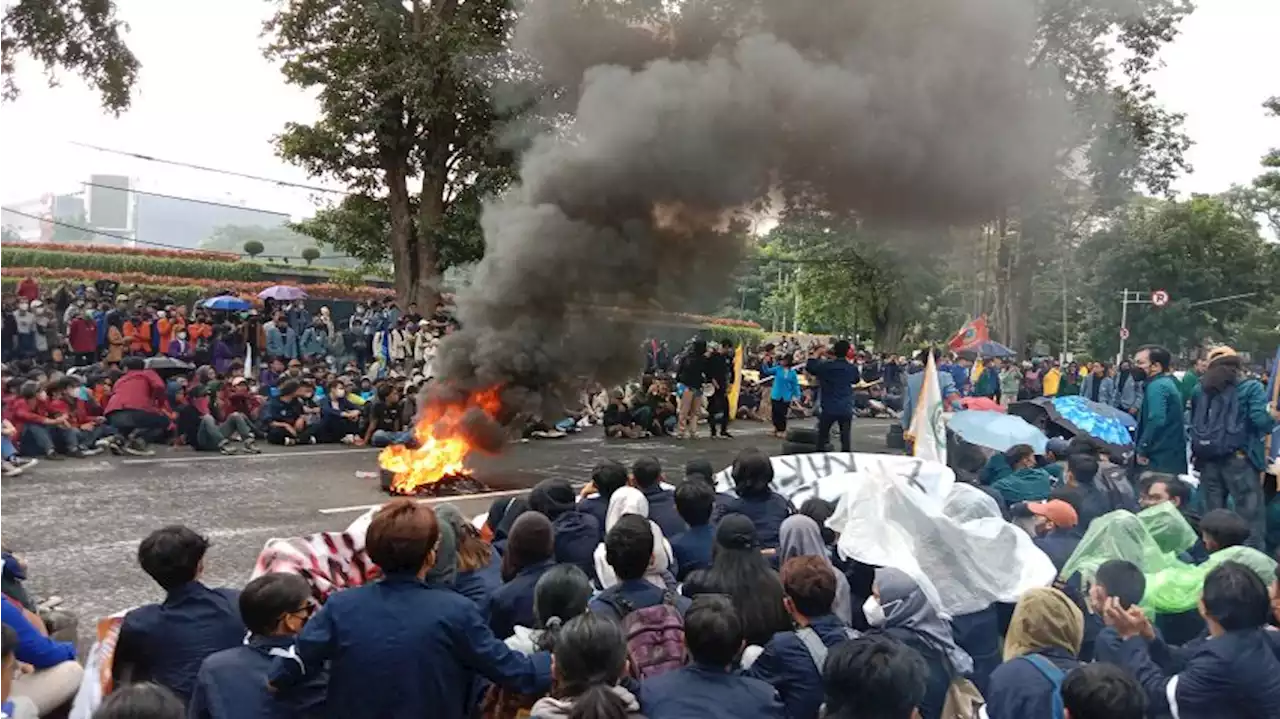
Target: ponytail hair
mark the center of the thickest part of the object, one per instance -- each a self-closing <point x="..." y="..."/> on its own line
<point x="591" y="657"/>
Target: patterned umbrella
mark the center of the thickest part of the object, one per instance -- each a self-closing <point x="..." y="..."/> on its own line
<point x="286" y="293"/>
<point x="227" y="302"/>
<point x="1080" y="416"/>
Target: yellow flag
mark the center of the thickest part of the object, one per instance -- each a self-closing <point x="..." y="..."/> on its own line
<point x="976" y="371"/>
<point x="737" y="382"/>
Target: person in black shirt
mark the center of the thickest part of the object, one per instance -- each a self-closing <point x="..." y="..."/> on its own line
<point x="691" y="375"/>
<point x="720" y="372"/>
<point x="285" y="417"/>
<point x="386" y="423"/>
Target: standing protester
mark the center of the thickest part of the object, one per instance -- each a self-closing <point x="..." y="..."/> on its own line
<point x="1229" y="421"/>
<point x="1191" y="378"/>
<point x="836" y="377"/>
<point x="1098" y="387"/>
<point x="691" y="374"/>
<point x="1128" y="389"/>
<point x="720" y="372"/>
<point x="785" y="390"/>
<point x="1161" y="442"/>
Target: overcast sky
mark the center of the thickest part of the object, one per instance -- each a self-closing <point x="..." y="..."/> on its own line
<point x="207" y="96"/>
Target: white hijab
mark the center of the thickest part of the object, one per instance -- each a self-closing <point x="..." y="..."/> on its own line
<point x="629" y="500"/>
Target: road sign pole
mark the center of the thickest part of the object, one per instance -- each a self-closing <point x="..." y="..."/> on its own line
<point x="1124" y="325"/>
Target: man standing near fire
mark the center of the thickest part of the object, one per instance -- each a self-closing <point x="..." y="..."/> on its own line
<point x="691" y="375"/>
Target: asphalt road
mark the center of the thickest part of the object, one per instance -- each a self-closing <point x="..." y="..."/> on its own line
<point x="77" y="523"/>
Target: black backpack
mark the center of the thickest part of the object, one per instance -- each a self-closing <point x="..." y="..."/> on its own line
<point x="1216" y="428"/>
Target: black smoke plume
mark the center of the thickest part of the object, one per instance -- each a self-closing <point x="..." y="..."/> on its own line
<point x="914" y="111"/>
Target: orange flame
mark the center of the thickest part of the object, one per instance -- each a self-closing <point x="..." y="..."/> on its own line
<point x="442" y="449"/>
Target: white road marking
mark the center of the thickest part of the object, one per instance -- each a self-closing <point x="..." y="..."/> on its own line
<point x="430" y="500"/>
<point x="266" y="455"/>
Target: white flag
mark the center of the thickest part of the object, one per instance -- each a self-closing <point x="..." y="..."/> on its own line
<point x="248" y="361"/>
<point x="927" y="427"/>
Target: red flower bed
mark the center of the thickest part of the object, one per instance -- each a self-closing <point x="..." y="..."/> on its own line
<point x="115" y="250"/>
<point x="321" y="291"/>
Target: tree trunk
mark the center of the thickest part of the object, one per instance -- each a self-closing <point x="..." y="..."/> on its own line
<point x="402" y="240"/>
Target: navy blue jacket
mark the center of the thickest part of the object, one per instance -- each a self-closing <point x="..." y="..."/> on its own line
<point x="638" y="592"/>
<point x="1059" y="545"/>
<point x="788" y="667"/>
<point x="693" y="549"/>
<point x="978" y="633"/>
<point x="708" y="692"/>
<point x="512" y="604"/>
<point x="598" y="507"/>
<point x="166" y="642"/>
<point x="576" y="537"/>
<point x="479" y="585"/>
<point x="836" y="378"/>
<point x="1018" y="690"/>
<point x="400" y="649"/>
<point x="1234" y="675"/>
<point x="767" y="512"/>
<point x="662" y="510"/>
<point x="232" y="684"/>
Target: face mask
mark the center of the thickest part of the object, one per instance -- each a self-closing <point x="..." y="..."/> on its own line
<point x="873" y="612"/>
<point x="339" y="393"/>
<point x="1138" y="373"/>
<point x="182" y="335"/>
<point x="161" y="314"/>
<point x="23" y="306"/>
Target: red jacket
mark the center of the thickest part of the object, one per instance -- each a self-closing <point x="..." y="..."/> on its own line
<point x="79" y="411"/>
<point x="28" y="289"/>
<point x="137" y="389"/>
<point x="228" y="402"/>
<point x="83" y="335"/>
<point x="20" y="411"/>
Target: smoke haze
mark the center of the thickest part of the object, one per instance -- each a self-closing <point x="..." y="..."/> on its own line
<point x="920" y="112"/>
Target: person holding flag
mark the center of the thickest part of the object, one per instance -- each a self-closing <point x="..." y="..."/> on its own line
<point x="926" y="433"/>
<point x="945" y="383"/>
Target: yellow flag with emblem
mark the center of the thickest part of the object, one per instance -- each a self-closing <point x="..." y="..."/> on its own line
<point x="736" y="386"/>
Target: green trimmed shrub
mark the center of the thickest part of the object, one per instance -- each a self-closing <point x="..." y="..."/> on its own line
<point x="12" y="257"/>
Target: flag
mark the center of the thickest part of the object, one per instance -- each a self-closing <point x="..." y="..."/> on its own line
<point x="248" y="361"/>
<point x="737" y="382"/>
<point x="927" y="429"/>
<point x="974" y="332"/>
<point x="976" y="371"/>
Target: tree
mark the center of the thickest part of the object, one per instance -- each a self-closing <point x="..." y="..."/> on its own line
<point x="311" y="254"/>
<point x="73" y="230"/>
<point x="406" y="120"/>
<point x="253" y="248"/>
<point x="1266" y="187"/>
<point x="10" y="234"/>
<point x="80" y="36"/>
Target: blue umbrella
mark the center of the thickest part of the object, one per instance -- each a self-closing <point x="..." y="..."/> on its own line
<point x="986" y="350"/>
<point x="1080" y="416"/>
<point x="996" y="430"/>
<point x="227" y="302"/>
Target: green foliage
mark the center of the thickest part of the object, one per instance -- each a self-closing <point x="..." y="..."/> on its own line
<point x="183" y="295"/>
<point x="9" y="234"/>
<point x="311" y="254"/>
<point x="275" y="242"/>
<point x="348" y="278"/>
<point x="81" y="36"/>
<point x="120" y="263"/>
<point x="253" y="248"/>
<point x="748" y="336"/>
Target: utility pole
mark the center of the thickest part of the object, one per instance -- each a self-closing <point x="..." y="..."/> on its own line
<point x="795" y="310"/>
<point x="1158" y="298"/>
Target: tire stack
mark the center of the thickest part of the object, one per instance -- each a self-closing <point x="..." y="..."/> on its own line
<point x="801" y="440"/>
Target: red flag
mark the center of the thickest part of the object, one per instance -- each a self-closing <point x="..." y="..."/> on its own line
<point x="973" y="332"/>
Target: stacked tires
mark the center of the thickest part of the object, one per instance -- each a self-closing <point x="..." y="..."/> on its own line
<point x="801" y="440"/>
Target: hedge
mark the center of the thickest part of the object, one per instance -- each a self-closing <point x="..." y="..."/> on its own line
<point x="210" y="255"/>
<point x="12" y="257"/>
<point x="747" y="336"/>
<point x="49" y="278"/>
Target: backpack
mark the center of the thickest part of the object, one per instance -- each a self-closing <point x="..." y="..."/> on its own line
<point x="1216" y="429"/>
<point x="655" y="636"/>
<point x="813" y="644"/>
<point x="1049" y="671"/>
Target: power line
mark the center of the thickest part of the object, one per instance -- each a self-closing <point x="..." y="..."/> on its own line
<point x="92" y="231"/>
<point x="205" y="168"/>
<point x="185" y="199"/>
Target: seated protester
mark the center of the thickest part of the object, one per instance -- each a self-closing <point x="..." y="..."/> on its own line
<point x="203" y="433"/>
<point x="561" y="594"/>
<point x="84" y="416"/>
<point x="272" y="375"/>
<point x="618" y="421"/>
<point x="660" y="572"/>
<point x="1124" y="582"/>
<point x="233" y="682"/>
<point x="873" y="677"/>
<point x="801" y="537"/>
<point x="284" y="418"/>
<point x="12" y="707"/>
<point x="860" y="576"/>
<point x="503" y="513"/>
<point x="701" y="467"/>
<point x="1223" y="528"/>
<point x="479" y="567"/>
<point x="1102" y="691"/>
<point x="13" y="573"/>
<point x="234" y="396"/>
<point x="40" y="431"/>
<point x="792" y="661"/>
<point x="386" y="424"/>
<point x="55" y="675"/>
<point x="1053" y="528"/>
<point x="590" y="662"/>
<point x="1233" y="674"/>
<point x="607" y="477"/>
<point x="141" y="701"/>
<point x="529" y="554"/>
<point x="339" y="419"/>
<point x="629" y="552"/>
<point x="399" y="647"/>
<point x="646" y="475"/>
<point x="310" y="405"/>
<point x="741" y="572"/>
<point x="692" y="549"/>
<point x="137" y="406"/>
<point x="1159" y="488"/>
<point x="166" y="642"/>
<point x="709" y="685"/>
<point x="1027" y="482"/>
<point x="1082" y="475"/>
<point x="901" y="610"/>
<point x="752" y="477"/>
<point x="1040" y="648"/>
<point x="576" y="533"/>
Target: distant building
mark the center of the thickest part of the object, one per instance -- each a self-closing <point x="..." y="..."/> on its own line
<point x="187" y="223"/>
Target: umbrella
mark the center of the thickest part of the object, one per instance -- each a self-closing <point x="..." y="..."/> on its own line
<point x="167" y="367"/>
<point x="987" y="349"/>
<point x="1072" y="417"/>
<point x="226" y="302"/>
<point x="286" y="293"/>
<point x="996" y="431"/>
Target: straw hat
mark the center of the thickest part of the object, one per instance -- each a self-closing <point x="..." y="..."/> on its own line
<point x="1219" y="352"/>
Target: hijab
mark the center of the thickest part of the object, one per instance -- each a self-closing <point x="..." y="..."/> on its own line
<point x="445" y="570"/>
<point x="629" y="500"/>
<point x="800" y="536"/>
<point x="906" y="607"/>
<point x="1044" y="618"/>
